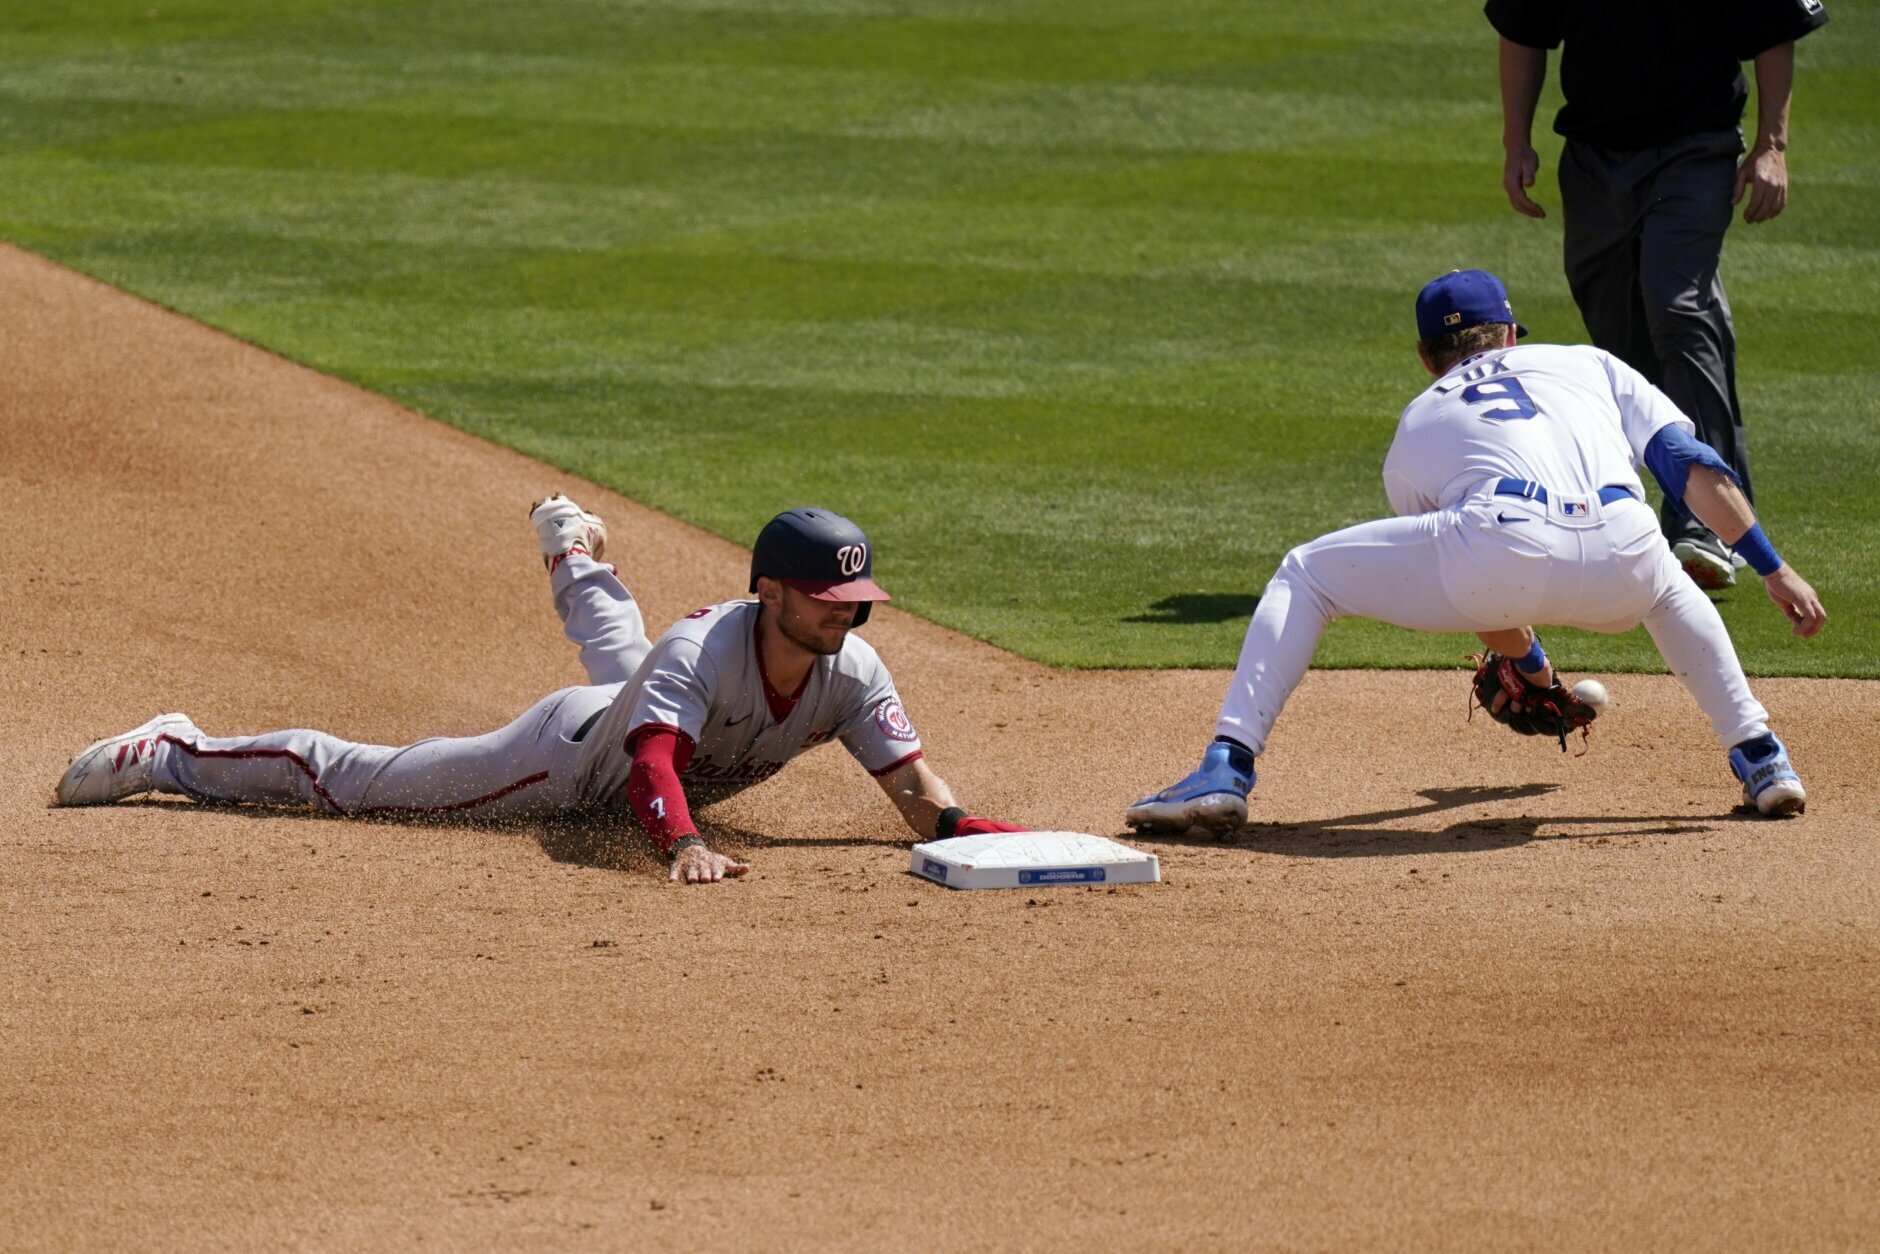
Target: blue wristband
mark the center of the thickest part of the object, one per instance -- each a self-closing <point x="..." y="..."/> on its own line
<point x="1758" y="552"/>
<point x="1533" y="661"/>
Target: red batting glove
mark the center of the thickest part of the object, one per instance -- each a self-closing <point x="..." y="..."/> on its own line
<point x="970" y="826"/>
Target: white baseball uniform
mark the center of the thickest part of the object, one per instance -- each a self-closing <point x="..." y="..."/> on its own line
<point x="570" y="751"/>
<point x="1514" y="477"/>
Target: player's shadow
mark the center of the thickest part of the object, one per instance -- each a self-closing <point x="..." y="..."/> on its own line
<point x="1198" y="607"/>
<point x="613" y="843"/>
<point x="1358" y="836"/>
<point x="600" y="839"/>
<point x="606" y="843"/>
<point x="588" y="839"/>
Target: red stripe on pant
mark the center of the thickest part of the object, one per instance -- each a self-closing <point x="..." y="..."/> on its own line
<point x="327" y="797"/>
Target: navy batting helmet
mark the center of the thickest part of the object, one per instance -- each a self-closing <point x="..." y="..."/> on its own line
<point x="818" y="553"/>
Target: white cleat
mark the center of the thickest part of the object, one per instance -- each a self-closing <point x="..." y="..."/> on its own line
<point x="119" y="766"/>
<point x="561" y="527"/>
<point x="1769" y="779"/>
<point x="1780" y="799"/>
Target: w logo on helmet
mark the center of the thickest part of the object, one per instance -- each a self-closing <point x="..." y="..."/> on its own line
<point x="851" y="558"/>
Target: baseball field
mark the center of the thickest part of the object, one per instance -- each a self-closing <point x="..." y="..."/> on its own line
<point x="1087" y="313"/>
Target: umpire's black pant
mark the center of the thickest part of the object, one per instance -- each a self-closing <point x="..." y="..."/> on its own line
<point x="1644" y="234"/>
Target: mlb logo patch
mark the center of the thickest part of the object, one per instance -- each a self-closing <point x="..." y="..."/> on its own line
<point x="1575" y="509"/>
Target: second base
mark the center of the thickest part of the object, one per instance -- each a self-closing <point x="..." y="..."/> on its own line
<point x="1032" y="860"/>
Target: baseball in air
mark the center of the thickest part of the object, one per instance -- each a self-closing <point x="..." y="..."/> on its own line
<point x="1593" y="693"/>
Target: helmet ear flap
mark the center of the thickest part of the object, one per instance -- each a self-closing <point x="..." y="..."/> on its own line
<point x="861" y="613"/>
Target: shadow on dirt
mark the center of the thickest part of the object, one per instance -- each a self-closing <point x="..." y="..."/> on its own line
<point x="1357" y="835"/>
<point x="605" y="842"/>
<point x="601" y="839"/>
<point x="613" y="843"/>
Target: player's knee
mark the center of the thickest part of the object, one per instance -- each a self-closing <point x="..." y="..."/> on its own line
<point x="1298" y="578"/>
<point x="1691" y="340"/>
<point x="1296" y="563"/>
<point x="1675" y="311"/>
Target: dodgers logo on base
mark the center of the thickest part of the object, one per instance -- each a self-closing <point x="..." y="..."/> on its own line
<point x="1062" y="875"/>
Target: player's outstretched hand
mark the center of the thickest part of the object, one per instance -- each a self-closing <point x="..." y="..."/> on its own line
<point x="1764" y="174"/>
<point x="1796" y="600"/>
<point x="1517" y="175"/>
<point x="699" y="865"/>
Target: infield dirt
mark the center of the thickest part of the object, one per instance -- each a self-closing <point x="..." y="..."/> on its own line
<point x="1453" y="990"/>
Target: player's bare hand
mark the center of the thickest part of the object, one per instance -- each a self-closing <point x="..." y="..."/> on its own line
<point x="1764" y="174"/>
<point x="1796" y="600"/>
<point x="1517" y="175"/>
<point x="699" y="865"/>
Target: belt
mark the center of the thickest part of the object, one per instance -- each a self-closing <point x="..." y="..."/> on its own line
<point x="1535" y="492"/>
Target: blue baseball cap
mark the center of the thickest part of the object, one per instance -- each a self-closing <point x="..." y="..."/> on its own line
<point x="1462" y="298"/>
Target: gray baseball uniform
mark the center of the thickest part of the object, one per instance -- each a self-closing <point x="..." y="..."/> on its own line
<point x="705" y="678"/>
<point x="571" y="749"/>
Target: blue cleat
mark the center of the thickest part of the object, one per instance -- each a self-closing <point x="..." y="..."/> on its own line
<point x="1769" y="781"/>
<point x="1214" y="797"/>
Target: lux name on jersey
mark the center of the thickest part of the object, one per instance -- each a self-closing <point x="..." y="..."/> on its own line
<point x="1474" y="374"/>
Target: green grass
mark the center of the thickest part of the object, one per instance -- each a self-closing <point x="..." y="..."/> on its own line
<point x="1087" y="312"/>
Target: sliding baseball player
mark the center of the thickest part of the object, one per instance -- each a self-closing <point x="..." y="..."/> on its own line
<point x="722" y="701"/>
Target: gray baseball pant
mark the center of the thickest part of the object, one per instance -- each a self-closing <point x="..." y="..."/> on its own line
<point x="524" y="771"/>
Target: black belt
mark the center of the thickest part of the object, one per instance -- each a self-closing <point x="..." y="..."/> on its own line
<point x="1533" y="491"/>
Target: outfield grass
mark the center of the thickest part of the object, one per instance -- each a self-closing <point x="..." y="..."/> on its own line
<point x="1087" y="311"/>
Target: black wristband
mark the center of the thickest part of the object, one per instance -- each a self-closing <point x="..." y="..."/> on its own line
<point x="679" y="846"/>
<point x="948" y="820"/>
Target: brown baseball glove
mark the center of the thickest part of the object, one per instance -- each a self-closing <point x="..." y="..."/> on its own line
<point x="1527" y="708"/>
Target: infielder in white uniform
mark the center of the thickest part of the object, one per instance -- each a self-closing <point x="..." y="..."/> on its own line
<point x="1514" y="479"/>
<point x="724" y="699"/>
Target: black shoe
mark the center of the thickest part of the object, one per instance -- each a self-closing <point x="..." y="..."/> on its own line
<point x="1707" y="560"/>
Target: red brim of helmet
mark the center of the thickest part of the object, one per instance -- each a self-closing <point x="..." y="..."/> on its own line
<point x="847" y="590"/>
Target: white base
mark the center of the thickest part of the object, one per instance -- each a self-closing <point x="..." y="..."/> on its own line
<point x="1032" y="860"/>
